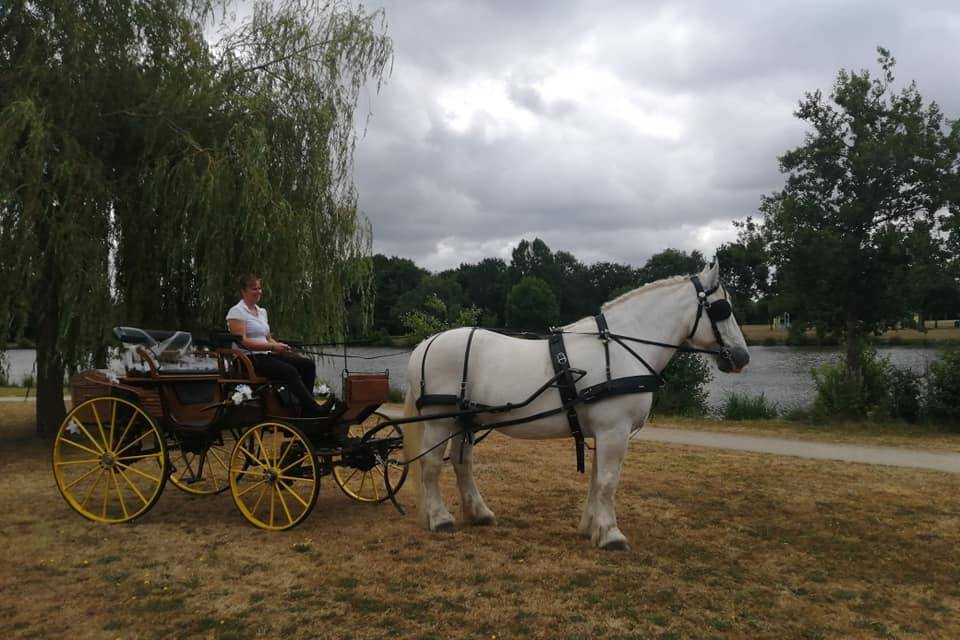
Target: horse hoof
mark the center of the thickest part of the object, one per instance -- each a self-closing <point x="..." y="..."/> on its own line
<point x="485" y="521"/>
<point x="616" y="545"/>
<point x="444" y="527"/>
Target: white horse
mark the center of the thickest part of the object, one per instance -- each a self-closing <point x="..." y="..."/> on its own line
<point x="503" y="369"/>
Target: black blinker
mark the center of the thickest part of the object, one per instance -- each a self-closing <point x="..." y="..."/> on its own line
<point x="719" y="310"/>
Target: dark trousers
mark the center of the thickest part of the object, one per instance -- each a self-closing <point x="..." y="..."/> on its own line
<point x="294" y="371"/>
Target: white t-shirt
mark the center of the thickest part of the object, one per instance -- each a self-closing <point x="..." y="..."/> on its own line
<point x="255" y="324"/>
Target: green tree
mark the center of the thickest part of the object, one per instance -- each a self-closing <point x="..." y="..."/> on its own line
<point x="485" y="285"/>
<point x="671" y="262"/>
<point x="531" y="305"/>
<point x="392" y="278"/>
<point x="432" y="318"/>
<point x="609" y="279"/>
<point x="142" y="168"/>
<point x="575" y="296"/>
<point x="874" y="162"/>
<point x="745" y="271"/>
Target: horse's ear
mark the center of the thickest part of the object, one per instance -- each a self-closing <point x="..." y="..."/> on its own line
<point x="711" y="274"/>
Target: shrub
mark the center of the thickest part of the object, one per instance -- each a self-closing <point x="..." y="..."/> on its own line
<point x="904" y="394"/>
<point x="684" y="392"/>
<point x="396" y="395"/>
<point x="879" y="391"/>
<point x="744" y="407"/>
<point x="942" y="398"/>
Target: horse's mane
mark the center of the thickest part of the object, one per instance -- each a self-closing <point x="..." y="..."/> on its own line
<point x="645" y="288"/>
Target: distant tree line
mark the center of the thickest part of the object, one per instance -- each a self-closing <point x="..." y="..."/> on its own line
<point x="537" y="289"/>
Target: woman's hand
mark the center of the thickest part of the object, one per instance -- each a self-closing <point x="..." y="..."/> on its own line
<point x="279" y="346"/>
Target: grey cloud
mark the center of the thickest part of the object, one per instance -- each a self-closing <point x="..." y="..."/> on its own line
<point x="582" y="175"/>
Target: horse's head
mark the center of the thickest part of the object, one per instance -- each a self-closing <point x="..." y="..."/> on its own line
<point x="715" y="327"/>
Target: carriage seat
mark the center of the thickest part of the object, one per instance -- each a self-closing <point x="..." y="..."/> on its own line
<point x="169" y="349"/>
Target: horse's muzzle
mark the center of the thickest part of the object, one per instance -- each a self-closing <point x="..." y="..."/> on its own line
<point x="733" y="360"/>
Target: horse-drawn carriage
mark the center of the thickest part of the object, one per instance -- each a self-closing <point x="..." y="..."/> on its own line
<point x="201" y="418"/>
<point x="223" y="426"/>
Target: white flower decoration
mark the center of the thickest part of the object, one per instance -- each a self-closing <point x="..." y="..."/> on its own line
<point x="323" y="390"/>
<point x="72" y="428"/>
<point x="241" y="394"/>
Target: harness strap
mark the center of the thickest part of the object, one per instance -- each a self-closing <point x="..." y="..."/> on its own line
<point x="603" y="332"/>
<point x="462" y="403"/>
<point x="619" y="387"/>
<point x="568" y="393"/>
<point x="425" y="399"/>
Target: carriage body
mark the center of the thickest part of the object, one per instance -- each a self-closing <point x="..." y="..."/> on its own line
<point x="204" y="420"/>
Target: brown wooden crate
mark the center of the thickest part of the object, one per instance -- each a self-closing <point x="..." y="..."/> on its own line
<point x="361" y="389"/>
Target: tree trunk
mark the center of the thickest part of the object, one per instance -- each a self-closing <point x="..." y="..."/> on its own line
<point x="50" y="406"/>
<point x="854" y="347"/>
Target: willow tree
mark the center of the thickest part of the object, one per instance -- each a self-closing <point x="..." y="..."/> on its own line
<point x="145" y="166"/>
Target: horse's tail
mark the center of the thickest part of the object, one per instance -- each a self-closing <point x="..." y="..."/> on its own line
<point x="413" y="447"/>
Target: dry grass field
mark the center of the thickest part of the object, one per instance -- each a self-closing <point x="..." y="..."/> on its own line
<point x="724" y="545"/>
<point x="944" y="333"/>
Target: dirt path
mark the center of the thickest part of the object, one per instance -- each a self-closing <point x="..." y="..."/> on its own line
<point x="865" y="454"/>
<point x="892" y="456"/>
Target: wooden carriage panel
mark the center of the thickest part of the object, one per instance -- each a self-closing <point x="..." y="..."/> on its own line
<point x="95" y="383"/>
<point x="362" y="389"/>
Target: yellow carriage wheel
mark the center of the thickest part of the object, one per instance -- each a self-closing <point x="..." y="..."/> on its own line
<point x="109" y="460"/>
<point x="274" y="476"/>
<point x="200" y="462"/>
<point x="374" y="472"/>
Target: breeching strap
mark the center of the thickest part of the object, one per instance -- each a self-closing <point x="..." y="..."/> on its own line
<point x="568" y="393"/>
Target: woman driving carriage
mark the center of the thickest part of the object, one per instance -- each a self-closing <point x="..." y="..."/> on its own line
<point x="272" y="359"/>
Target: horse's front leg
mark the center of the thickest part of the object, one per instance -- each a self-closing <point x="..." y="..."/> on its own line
<point x="434" y="515"/>
<point x="599" y="517"/>
<point x="473" y="508"/>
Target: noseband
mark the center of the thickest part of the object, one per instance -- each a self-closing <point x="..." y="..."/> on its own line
<point x="717" y="311"/>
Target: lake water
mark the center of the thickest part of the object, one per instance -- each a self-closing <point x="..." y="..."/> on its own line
<point x="782" y="374"/>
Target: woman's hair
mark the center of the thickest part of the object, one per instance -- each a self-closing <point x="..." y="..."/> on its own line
<point x="247" y="281"/>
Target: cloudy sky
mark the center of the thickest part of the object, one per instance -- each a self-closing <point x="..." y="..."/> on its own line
<point x="613" y="129"/>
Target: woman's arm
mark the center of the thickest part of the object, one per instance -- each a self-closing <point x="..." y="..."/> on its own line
<point x="239" y="328"/>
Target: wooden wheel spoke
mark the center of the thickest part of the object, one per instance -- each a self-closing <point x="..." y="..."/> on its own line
<point x="106" y="494"/>
<point x="138" y="472"/>
<point x="253" y="459"/>
<point x="63" y="463"/>
<point x="84" y="476"/>
<point x="113" y="424"/>
<point x="96" y="482"/>
<point x="273" y="503"/>
<point x="103" y="436"/>
<point x="142" y="456"/>
<point x="302" y="459"/>
<point x="296" y="479"/>
<point x="126" y="429"/>
<point x="283" y="503"/>
<point x="350" y="477"/>
<point x="143" y="435"/>
<point x="79" y="424"/>
<point x="266" y="458"/>
<point x="295" y="495"/>
<point x="276" y="446"/>
<point x="256" y="504"/>
<point x="217" y="457"/>
<point x="248" y="489"/>
<point x="123" y="505"/>
<point x="80" y="446"/>
<point x="133" y="486"/>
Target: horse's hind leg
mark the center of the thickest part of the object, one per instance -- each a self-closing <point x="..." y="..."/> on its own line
<point x="472" y="506"/>
<point x="433" y="512"/>
<point x="600" y="518"/>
